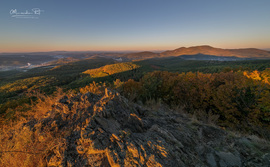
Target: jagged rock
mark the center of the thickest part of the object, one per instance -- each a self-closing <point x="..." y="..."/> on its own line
<point x="64" y="100"/>
<point x="103" y="122"/>
<point x="228" y="159"/>
<point x="211" y="133"/>
<point x="210" y="158"/>
<point x="107" y="130"/>
<point x="266" y="159"/>
<point x="135" y="123"/>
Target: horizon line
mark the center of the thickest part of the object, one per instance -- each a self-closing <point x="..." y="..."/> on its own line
<point x="115" y="51"/>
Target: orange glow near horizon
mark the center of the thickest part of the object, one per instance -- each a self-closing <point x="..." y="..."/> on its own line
<point x="12" y="48"/>
<point x="35" y="48"/>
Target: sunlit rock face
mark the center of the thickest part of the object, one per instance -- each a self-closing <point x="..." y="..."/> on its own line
<point x="106" y="129"/>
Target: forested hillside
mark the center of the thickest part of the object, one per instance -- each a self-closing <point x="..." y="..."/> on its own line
<point x="99" y="111"/>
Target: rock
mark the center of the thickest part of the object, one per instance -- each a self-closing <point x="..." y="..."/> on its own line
<point x="266" y="159"/>
<point x="140" y="110"/>
<point x="228" y="159"/>
<point x="100" y="130"/>
<point x="166" y="135"/>
<point x="200" y="150"/>
<point x="107" y="130"/>
<point x="110" y="103"/>
<point x="135" y="123"/>
<point x="212" y="133"/>
<point x="103" y="122"/>
<point x="64" y="100"/>
<point x="210" y="158"/>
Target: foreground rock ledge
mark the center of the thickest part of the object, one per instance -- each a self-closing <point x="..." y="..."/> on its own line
<point x="108" y="130"/>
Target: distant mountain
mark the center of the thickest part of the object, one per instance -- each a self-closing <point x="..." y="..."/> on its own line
<point x="211" y="57"/>
<point x="141" y="55"/>
<point x="198" y="51"/>
<point x="24" y="60"/>
<point x="208" y="50"/>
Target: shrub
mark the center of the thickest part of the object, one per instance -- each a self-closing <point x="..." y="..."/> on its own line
<point x="239" y="99"/>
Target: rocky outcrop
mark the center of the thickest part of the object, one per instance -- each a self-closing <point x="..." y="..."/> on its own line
<point x="108" y="130"/>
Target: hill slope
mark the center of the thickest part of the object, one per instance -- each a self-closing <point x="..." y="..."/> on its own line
<point x="111" y="69"/>
<point x="107" y="130"/>
<point x="141" y="55"/>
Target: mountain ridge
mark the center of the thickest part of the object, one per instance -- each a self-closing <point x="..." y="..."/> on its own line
<point x="250" y="53"/>
<point x="193" y="50"/>
<point x="209" y="50"/>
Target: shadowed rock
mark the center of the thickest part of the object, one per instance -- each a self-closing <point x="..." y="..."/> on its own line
<point x="108" y="130"/>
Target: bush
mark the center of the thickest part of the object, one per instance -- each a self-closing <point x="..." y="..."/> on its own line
<point x="240" y="99"/>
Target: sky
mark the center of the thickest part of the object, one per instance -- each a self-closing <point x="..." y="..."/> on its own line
<point x="118" y="25"/>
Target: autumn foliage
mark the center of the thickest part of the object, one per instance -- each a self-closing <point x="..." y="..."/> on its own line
<point x="241" y="99"/>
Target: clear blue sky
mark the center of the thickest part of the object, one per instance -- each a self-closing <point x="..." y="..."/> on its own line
<point x="134" y="24"/>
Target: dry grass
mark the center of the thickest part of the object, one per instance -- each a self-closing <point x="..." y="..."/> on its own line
<point x="21" y="146"/>
<point x="153" y="104"/>
<point x="94" y="87"/>
<point x="208" y="118"/>
<point x="27" y="141"/>
<point x="44" y="103"/>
